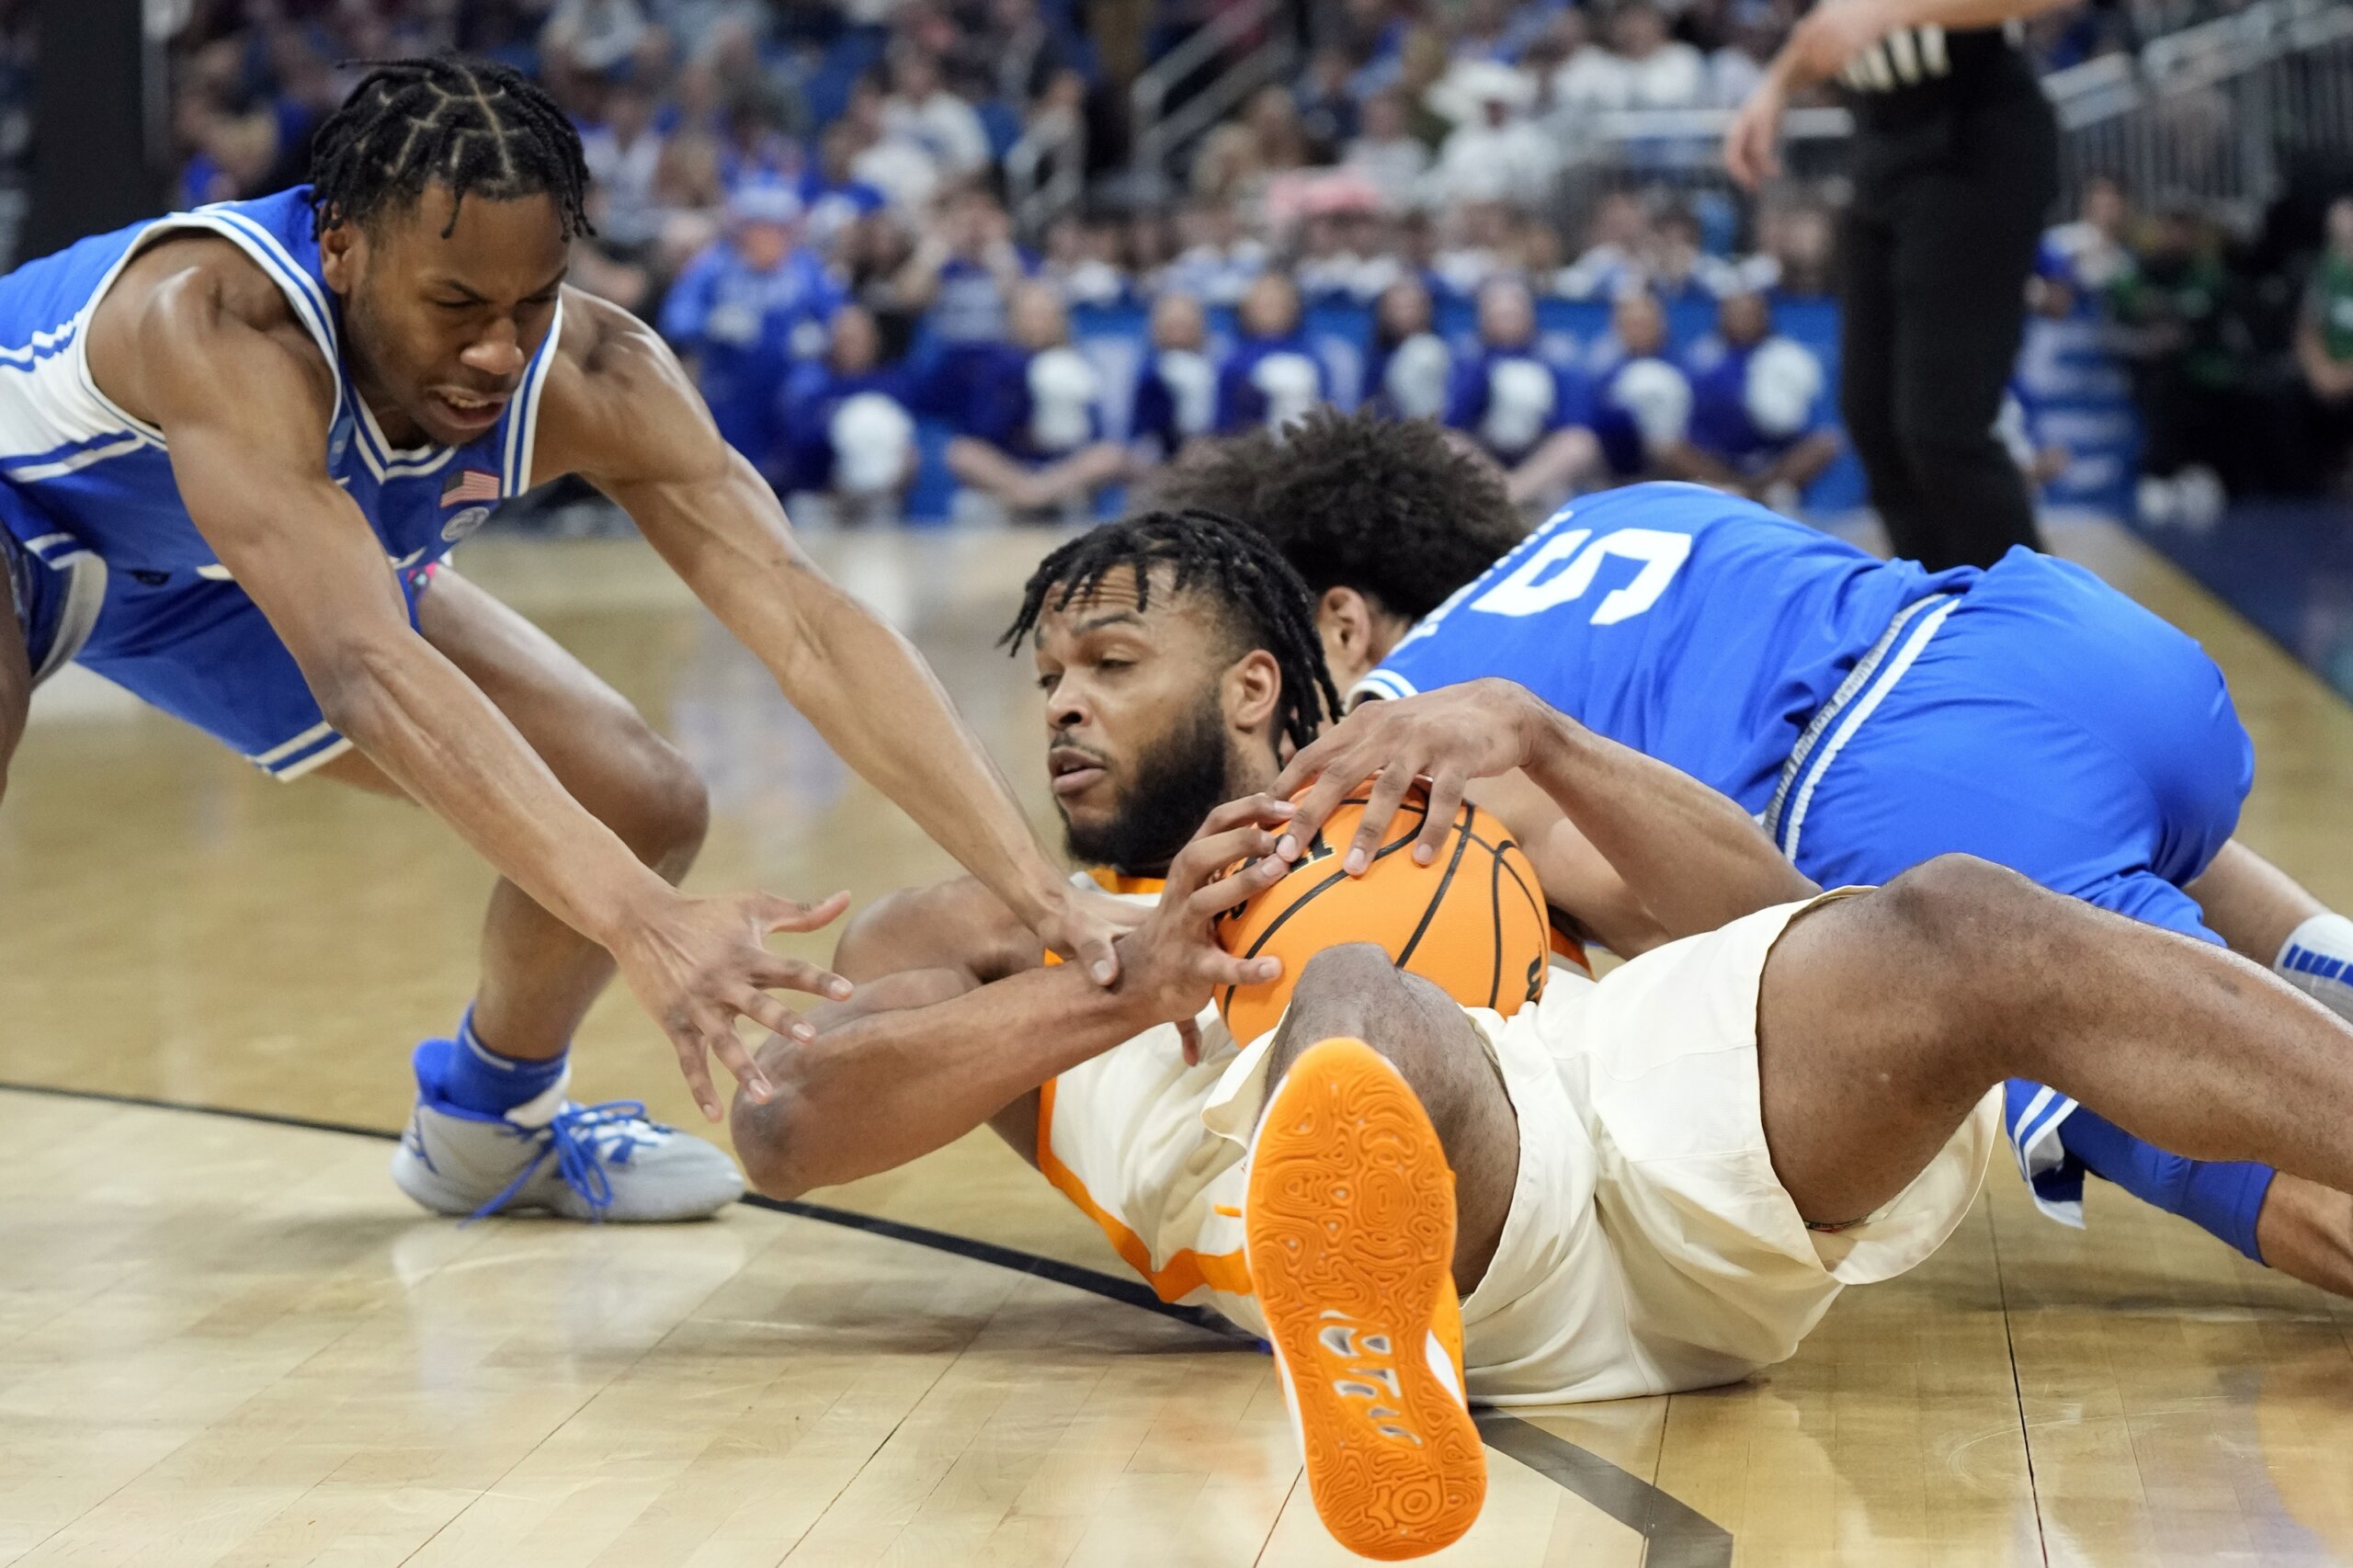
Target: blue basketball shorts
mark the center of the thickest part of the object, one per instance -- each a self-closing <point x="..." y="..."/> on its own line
<point x="2044" y="722"/>
<point x="196" y="647"/>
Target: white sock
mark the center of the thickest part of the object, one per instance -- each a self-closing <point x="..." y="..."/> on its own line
<point x="2317" y="960"/>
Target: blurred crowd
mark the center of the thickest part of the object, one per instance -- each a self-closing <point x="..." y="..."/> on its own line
<point x="2238" y="347"/>
<point x="808" y="199"/>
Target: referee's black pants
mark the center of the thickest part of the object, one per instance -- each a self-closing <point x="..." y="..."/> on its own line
<point x="1934" y="256"/>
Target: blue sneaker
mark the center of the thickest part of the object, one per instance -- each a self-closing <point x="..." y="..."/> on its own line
<point x="549" y="1155"/>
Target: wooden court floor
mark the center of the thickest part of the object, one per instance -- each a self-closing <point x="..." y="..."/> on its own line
<point x="229" y="1340"/>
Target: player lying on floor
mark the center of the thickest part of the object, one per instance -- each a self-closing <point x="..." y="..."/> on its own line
<point x="1659" y="1182"/>
<point x="1870" y="715"/>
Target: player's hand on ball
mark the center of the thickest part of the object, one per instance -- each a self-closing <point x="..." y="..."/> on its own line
<point x="1174" y="962"/>
<point x="1477" y="729"/>
<point x="697" y="964"/>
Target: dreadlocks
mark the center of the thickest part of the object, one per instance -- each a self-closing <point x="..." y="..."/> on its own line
<point x="1391" y="508"/>
<point x="475" y="126"/>
<point x="1254" y="589"/>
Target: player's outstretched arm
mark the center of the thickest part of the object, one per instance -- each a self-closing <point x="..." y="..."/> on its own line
<point x="1693" y="859"/>
<point x="878" y="1087"/>
<point x="620" y="412"/>
<point x="245" y="409"/>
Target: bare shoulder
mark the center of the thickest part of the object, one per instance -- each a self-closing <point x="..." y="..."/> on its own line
<point x="193" y="308"/>
<point x="617" y="406"/>
<point x="958" y="923"/>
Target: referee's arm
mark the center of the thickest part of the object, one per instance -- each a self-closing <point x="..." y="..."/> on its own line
<point x="1819" y="47"/>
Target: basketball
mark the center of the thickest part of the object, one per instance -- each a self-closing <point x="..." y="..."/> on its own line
<point x="1471" y="921"/>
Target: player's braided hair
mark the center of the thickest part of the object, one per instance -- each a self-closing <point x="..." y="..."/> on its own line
<point x="1391" y="508"/>
<point x="1262" y="598"/>
<point x="474" y="125"/>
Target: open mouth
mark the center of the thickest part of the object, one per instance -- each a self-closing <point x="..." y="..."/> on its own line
<point x="469" y="409"/>
<point x="1071" y="771"/>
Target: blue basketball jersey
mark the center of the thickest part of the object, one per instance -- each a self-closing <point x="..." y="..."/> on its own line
<point x="1693" y="626"/>
<point x="99" y="481"/>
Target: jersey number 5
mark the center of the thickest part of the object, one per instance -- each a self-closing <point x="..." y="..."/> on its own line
<point x="1565" y="567"/>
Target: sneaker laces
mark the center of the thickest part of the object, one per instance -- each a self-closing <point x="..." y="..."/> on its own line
<point x="585" y="1140"/>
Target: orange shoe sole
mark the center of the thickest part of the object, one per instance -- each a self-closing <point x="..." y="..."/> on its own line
<point x="1350" y="1227"/>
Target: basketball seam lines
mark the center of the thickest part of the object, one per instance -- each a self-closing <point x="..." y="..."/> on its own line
<point x="1430" y="910"/>
<point x="1319" y="888"/>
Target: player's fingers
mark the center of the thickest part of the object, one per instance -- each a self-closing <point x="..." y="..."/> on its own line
<point x="1224" y="969"/>
<point x="774" y="971"/>
<point x="1188" y="1036"/>
<point x="727" y="1047"/>
<point x="1101" y="959"/>
<point x="775" y="1016"/>
<point x="1305" y="765"/>
<point x="776" y="912"/>
<point x="1446" y="800"/>
<point x="1227" y="893"/>
<point x="1388" y="793"/>
<point x="1314" y="808"/>
<point x="1199" y="862"/>
<point x="687" y="1040"/>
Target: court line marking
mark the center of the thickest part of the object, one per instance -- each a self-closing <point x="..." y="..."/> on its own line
<point x="1675" y="1535"/>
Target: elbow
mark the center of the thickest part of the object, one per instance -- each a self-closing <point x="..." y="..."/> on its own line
<point x="352" y="680"/>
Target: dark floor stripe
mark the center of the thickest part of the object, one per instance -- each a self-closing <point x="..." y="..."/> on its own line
<point x="1677" y="1537"/>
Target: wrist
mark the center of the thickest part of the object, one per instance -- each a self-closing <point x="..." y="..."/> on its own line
<point x="636" y="906"/>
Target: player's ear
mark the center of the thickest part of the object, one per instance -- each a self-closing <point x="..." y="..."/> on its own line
<point x="1344" y="621"/>
<point x="341" y="248"/>
<point x="1253" y="688"/>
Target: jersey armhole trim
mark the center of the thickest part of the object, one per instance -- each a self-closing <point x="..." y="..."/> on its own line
<point x="523" y="420"/>
<point x="1379" y="684"/>
<point x="258" y="243"/>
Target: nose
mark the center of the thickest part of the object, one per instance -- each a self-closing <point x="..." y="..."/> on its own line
<point x="497" y="353"/>
<point x="1064" y="710"/>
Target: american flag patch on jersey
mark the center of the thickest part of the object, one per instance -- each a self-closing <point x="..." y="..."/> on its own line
<point x="473" y="484"/>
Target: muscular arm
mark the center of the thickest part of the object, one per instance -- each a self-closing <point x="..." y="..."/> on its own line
<point x="1692" y="856"/>
<point x="1630" y="849"/>
<point x="620" y="412"/>
<point x="244" y="399"/>
<point x="923" y="1056"/>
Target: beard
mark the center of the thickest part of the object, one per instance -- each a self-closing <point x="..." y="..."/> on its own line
<point x="1179" y="781"/>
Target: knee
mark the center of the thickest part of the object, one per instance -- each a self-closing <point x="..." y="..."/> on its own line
<point x="1960" y="921"/>
<point x="1340" y="986"/>
<point x="667" y="811"/>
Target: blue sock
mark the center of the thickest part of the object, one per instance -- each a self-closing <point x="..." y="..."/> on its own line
<point x="2222" y="1197"/>
<point x="476" y="1078"/>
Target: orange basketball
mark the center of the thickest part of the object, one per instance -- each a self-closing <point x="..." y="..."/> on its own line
<point x="1471" y="921"/>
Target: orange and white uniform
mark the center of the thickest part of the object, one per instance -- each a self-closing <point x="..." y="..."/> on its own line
<point x="1649" y="1247"/>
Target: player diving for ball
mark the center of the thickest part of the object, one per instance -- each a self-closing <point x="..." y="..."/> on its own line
<point x="1658" y="1182"/>
<point x="234" y="445"/>
<point x="1870" y="715"/>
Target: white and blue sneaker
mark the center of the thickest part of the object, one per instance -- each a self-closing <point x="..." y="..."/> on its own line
<point x="550" y="1156"/>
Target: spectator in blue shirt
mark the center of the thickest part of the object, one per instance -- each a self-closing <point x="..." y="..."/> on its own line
<point x="1273" y="375"/>
<point x="831" y="195"/>
<point x="961" y="275"/>
<point x="1177" y="389"/>
<point x="1758" y="421"/>
<point x="1641" y="399"/>
<point x="848" y="434"/>
<point x="1528" y="413"/>
<point x="1411" y="366"/>
<point x="1031" y="437"/>
<point x="745" y="310"/>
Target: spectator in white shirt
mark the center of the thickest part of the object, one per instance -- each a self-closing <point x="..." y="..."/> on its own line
<point x="1498" y="152"/>
<point x="1387" y="151"/>
<point x="921" y="109"/>
<point x="1643" y="67"/>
